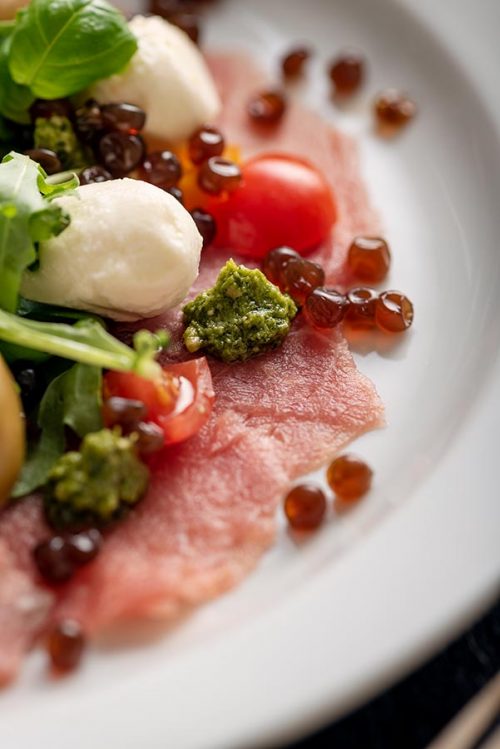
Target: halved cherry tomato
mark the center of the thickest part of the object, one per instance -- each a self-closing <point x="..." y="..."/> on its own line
<point x="180" y="403"/>
<point x="282" y="200"/>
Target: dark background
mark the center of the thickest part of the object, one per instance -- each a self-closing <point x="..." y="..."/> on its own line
<point x="412" y="713"/>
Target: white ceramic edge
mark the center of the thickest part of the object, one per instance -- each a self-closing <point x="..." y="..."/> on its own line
<point x="279" y="710"/>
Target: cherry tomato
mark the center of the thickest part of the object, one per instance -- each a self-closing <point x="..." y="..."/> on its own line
<point x="180" y="403"/>
<point x="282" y="201"/>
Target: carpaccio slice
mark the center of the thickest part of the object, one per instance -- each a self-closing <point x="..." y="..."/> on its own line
<point x="210" y="511"/>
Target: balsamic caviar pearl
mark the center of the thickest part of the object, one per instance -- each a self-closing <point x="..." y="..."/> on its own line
<point x="205" y="224"/>
<point x="301" y="278"/>
<point x="349" y="477"/>
<point x="65" y="645"/>
<point x="92" y="174"/>
<point x="189" y="23"/>
<point x="393" y="312"/>
<point x="52" y="560"/>
<point x="82" y="548"/>
<point x="325" y="308"/>
<point x="369" y="259"/>
<point x="47" y="108"/>
<point x="305" y="507"/>
<point x="88" y="121"/>
<point x="121" y="153"/>
<point x="48" y="160"/>
<point x="267" y="107"/>
<point x="293" y="63"/>
<point x="151" y="438"/>
<point x="124" y="412"/>
<point x="127" y="118"/>
<point x="219" y="175"/>
<point x="393" y="111"/>
<point x="361" y="310"/>
<point x="205" y="143"/>
<point x="162" y="169"/>
<point x="347" y="73"/>
<point x="275" y="262"/>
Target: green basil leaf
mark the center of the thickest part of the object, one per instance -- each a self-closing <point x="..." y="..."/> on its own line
<point x="60" y="47"/>
<point x="15" y="100"/>
<point x="72" y="399"/>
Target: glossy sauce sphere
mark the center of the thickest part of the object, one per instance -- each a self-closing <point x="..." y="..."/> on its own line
<point x="162" y="169"/>
<point x="349" y="477"/>
<point x="52" y="561"/>
<point x="88" y="121"/>
<point x="301" y="278"/>
<point x="48" y="160"/>
<point x="121" y="153"/>
<point x="325" y="308"/>
<point x="347" y="73"/>
<point x="361" y="307"/>
<point x="93" y="174"/>
<point x="47" y="108"/>
<point x="206" y="225"/>
<point x="151" y="437"/>
<point x="84" y="547"/>
<point x="124" y="412"/>
<point x="219" y="175"/>
<point x="294" y="61"/>
<point x="176" y="193"/>
<point x="267" y="107"/>
<point x="127" y="118"/>
<point x="205" y="143"/>
<point x="393" y="312"/>
<point x="393" y="111"/>
<point x="369" y="259"/>
<point x="305" y="507"/>
<point x="275" y="262"/>
<point x="65" y="645"/>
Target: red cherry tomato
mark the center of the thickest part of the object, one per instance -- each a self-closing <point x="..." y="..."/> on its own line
<point x="282" y="200"/>
<point x="180" y="403"/>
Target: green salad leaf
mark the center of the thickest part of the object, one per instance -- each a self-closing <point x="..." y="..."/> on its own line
<point x="27" y="216"/>
<point x="87" y="342"/>
<point x="73" y="399"/>
<point x="60" y="47"/>
<point x="15" y="100"/>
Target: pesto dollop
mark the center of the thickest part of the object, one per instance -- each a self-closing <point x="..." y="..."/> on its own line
<point x="57" y="134"/>
<point x="241" y="316"/>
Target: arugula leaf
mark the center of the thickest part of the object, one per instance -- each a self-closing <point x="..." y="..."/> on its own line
<point x="52" y="313"/>
<point x="60" y="47"/>
<point x="72" y="399"/>
<point x="26" y="216"/>
<point x="87" y="342"/>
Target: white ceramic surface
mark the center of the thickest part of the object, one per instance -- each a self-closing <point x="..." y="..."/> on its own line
<point x="317" y="629"/>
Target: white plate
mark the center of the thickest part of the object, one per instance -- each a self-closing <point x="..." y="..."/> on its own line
<point x="319" y="628"/>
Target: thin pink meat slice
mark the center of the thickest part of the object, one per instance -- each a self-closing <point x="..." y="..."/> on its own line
<point x="210" y="511"/>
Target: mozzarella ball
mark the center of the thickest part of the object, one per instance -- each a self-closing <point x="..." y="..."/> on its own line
<point x="131" y="251"/>
<point x="9" y="8"/>
<point x="167" y="77"/>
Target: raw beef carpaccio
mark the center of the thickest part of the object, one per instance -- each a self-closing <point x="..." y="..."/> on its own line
<point x="210" y="511"/>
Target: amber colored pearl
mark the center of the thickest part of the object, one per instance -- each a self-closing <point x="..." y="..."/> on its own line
<point x="267" y="107"/>
<point x="393" y="312"/>
<point x="305" y="507"/>
<point x="126" y="118"/>
<point x="205" y="143"/>
<point x="369" y="259"/>
<point x="52" y="561"/>
<point x="347" y="72"/>
<point x="325" y="308"/>
<point x="302" y="277"/>
<point x="349" y="477"/>
<point x="82" y="548"/>
<point x="176" y="193"/>
<point x="361" y="309"/>
<point x="48" y="160"/>
<point x="124" y="412"/>
<point x="92" y="174"/>
<point x="206" y="225"/>
<point x="219" y="175"/>
<point x="65" y="645"/>
<point x="293" y="62"/>
<point x="393" y="110"/>
<point x="120" y="153"/>
<point x="275" y="262"/>
<point x="162" y="169"/>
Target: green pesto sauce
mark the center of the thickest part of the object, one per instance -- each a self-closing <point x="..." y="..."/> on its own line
<point x="57" y="134"/>
<point x="241" y="316"/>
<point x="99" y="480"/>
